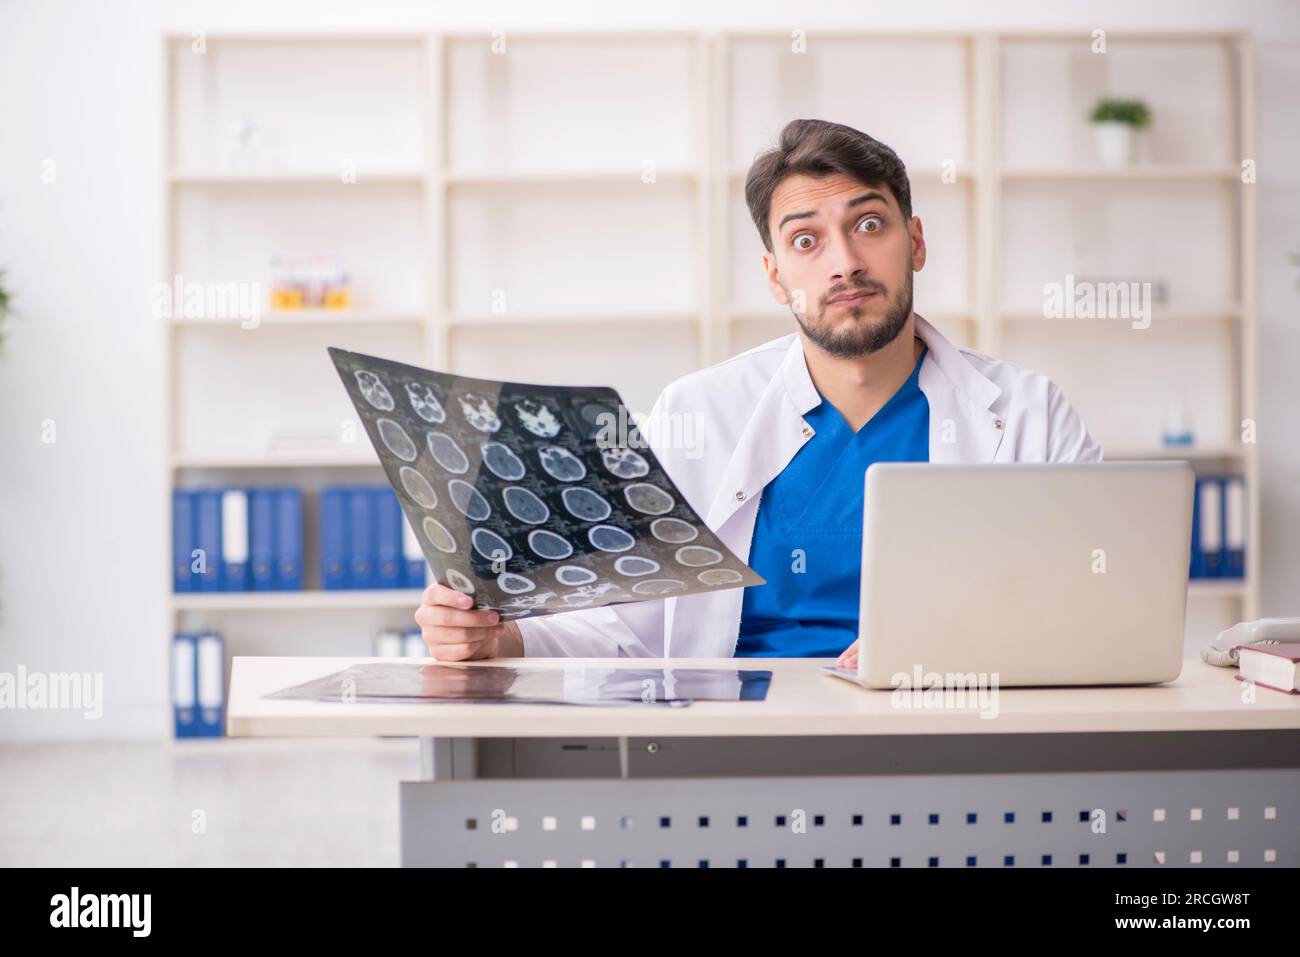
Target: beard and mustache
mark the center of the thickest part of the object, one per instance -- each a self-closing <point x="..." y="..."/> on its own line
<point x="862" y="337"/>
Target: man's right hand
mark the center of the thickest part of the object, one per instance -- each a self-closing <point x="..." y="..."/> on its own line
<point x="454" y="631"/>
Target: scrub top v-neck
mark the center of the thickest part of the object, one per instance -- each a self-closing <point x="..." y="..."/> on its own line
<point x="808" y="534"/>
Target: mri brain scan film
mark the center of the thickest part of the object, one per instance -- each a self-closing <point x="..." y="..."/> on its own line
<point x="518" y="501"/>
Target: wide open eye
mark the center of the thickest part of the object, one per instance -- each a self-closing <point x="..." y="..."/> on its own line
<point x="879" y="223"/>
<point x="799" y="244"/>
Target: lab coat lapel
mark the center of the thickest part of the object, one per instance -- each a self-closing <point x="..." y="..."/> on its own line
<point x="963" y="427"/>
<point x="774" y="433"/>
<point x="708" y="624"/>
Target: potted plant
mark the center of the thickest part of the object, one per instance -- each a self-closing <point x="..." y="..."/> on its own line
<point x="1117" y="123"/>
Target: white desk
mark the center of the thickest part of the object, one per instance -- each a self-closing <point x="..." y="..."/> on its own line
<point x="823" y="771"/>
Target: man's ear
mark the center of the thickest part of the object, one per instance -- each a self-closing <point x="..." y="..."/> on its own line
<point x="773" y="279"/>
<point x="917" y="235"/>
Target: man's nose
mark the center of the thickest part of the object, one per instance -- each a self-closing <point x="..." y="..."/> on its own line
<point x="846" y="261"/>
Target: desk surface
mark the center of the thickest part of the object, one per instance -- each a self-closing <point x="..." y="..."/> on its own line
<point x="801" y="701"/>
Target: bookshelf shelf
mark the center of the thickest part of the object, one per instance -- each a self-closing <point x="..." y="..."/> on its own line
<point x="586" y="177"/>
<point x="1216" y="588"/>
<point x="574" y="318"/>
<point x="1193" y="453"/>
<point x="306" y="317"/>
<point x="297" y="601"/>
<point x="298" y="178"/>
<point x="1138" y="173"/>
<point x="323" y="458"/>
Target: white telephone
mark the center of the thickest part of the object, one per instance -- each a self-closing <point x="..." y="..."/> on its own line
<point x="1264" y="631"/>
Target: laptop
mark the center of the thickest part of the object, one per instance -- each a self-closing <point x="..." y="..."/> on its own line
<point x="1037" y="574"/>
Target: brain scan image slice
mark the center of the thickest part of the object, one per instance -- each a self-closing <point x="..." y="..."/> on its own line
<point x="624" y="463"/>
<point x="491" y="545"/>
<point x="561" y="464"/>
<point x="425" y="403"/>
<point x="673" y="531"/>
<point x="694" y="556"/>
<point x="598" y="418"/>
<point x="524" y="505"/>
<point x="502" y="461"/>
<point x="459" y="582"/>
<point x="585" y="504"/>
<point x="610" y="538"/>
<point x="546" y="544"/>
<point x="418" y="487"/>
<point x="396" y="440"/>
<point x="447" y="453"/>
<point x="648" y="499"/>
<point x="513" y="584"/>
<point x="478" y="412"/>
<point x="537" y="418"/>
<point x="635" y="565"/>
<point x="720" y="576"/>
<point x="468" y="500"/>
<point x="374" y="391"/>
<point x="438" y="535"/>
<point x="574" y="575"/>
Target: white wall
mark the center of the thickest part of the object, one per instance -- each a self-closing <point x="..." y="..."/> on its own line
<point x="83" y="577"/>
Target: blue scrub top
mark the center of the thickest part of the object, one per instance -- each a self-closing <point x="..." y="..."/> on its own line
<point x="808" y="534"/>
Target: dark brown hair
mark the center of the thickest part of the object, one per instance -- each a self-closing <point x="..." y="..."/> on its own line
<point x="821" y="148"/>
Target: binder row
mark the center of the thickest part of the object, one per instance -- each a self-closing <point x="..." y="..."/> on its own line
<point x="199" y="684"/>
<point x="1219" y="528"/>
<point x="237" y="539"/>
<point x="365" y="540"/>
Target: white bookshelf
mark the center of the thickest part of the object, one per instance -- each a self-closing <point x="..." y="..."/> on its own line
<point x="1181" y="214"/>
<point x="500" y="212"/>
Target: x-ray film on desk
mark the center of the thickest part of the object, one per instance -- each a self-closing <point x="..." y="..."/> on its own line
<point x="396" y="683"/>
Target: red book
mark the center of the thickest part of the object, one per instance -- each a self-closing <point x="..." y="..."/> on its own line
<point x="1273" y="666"/>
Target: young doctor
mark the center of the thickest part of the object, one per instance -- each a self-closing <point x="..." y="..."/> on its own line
<point x="786" y="430"/>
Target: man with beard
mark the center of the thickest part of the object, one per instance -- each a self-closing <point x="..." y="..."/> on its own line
<point x="786" y="431"/>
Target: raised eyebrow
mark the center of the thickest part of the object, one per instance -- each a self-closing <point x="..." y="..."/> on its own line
<point x="856" y="201"/>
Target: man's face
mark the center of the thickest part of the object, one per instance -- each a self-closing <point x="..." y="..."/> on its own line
<point x="843" y="261"/>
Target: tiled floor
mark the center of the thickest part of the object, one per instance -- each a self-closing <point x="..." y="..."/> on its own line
<point x="260" y="803"/>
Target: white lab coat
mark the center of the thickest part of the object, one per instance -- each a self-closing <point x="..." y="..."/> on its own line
<point x="724" y="432"/>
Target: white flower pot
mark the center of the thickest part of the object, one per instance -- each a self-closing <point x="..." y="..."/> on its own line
<point x="1115" y="143"/>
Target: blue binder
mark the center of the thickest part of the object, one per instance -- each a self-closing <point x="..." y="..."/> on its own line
<point x="208" y="539"/>
<point x="288" y="539"/>
<point x="210" y="681"/>
<point x="1234" y="527"/>
<point x="185" y="692"/>
<point x="261" y="539"/>
<point x="1196" y="565"/>
<point x="1211" y="545"/>
<point x="390" y="564"/>
<point x="361" y="538"/>
<point x="182" y="540"/>
<point x="413" y="558"/>
<point x="234" y="540"/>
<point x="1208" y="529"/>
<point x="334" y="538"/>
